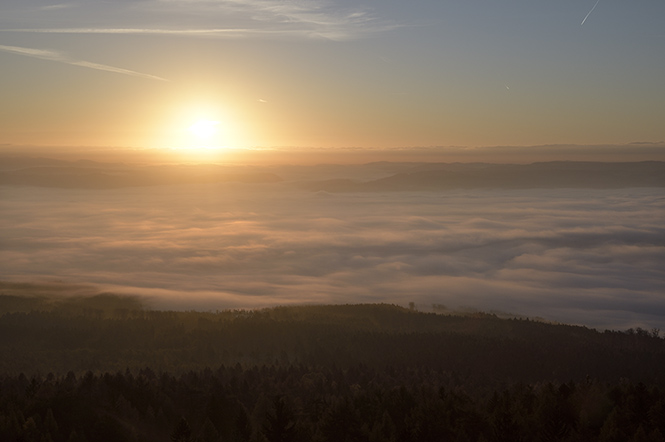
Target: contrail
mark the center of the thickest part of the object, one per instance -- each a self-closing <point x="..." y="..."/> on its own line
<point x="587" y="16"/>
<point x="56" y="56"/>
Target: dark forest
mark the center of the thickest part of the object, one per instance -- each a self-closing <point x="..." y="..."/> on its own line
<point x="105" y="368"/>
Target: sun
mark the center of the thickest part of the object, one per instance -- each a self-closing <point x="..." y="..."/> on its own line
<point x="204" y="129"/>
<point x="199" y="130"/>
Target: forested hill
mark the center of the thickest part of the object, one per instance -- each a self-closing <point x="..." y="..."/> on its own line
<point x="104" y="369"/>
<point x="109" y="333"/>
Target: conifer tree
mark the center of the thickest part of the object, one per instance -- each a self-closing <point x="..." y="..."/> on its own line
<point x="182" y="432"/>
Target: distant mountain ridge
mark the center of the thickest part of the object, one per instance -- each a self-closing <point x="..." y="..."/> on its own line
<point x="43" y="172"/>
<point x="369" y="177"/>
<point x="547" y="175"/>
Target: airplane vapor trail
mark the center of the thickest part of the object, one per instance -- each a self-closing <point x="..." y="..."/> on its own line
<point x="60" y="58"/>
<point x="587" y="16"/>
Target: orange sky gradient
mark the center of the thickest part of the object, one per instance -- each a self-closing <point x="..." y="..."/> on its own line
<point x="329" y="75"/>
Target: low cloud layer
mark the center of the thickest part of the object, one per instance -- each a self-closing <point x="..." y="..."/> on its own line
<point x="591" y="257"/>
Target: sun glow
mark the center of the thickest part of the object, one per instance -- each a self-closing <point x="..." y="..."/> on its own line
<point x="204" y="129"/>
<point x="201" y="131"/>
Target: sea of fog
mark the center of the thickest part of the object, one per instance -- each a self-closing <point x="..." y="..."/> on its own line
<point x="590" y="257"/>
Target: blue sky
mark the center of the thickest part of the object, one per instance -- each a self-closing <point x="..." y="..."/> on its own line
<point x="325" y="74"/>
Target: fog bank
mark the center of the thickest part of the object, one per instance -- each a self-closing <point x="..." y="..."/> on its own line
<point x="583" y="256"/>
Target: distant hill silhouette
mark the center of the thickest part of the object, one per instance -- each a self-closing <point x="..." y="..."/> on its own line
<point x="38" y="333"/>
<point x="370" y="177"/>
<point x="92" y="175"/>
<point x="556" y="174"/>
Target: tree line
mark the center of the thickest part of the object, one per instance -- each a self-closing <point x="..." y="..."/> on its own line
<point x="107" y="369"/>
<point x="298" y="403"/>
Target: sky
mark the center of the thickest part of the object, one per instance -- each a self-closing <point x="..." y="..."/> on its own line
<point x="331" y="74"/>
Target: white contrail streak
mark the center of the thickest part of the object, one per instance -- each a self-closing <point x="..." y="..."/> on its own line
<point x="220" y="31"/>
<point x="587" y="16"/>
<point x="58" y="57"/>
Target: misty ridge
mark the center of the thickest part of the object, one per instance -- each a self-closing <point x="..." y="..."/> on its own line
<point x="368" y="177"/>
<point x="555" y="174"/>
<point x="89" y="174"/>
